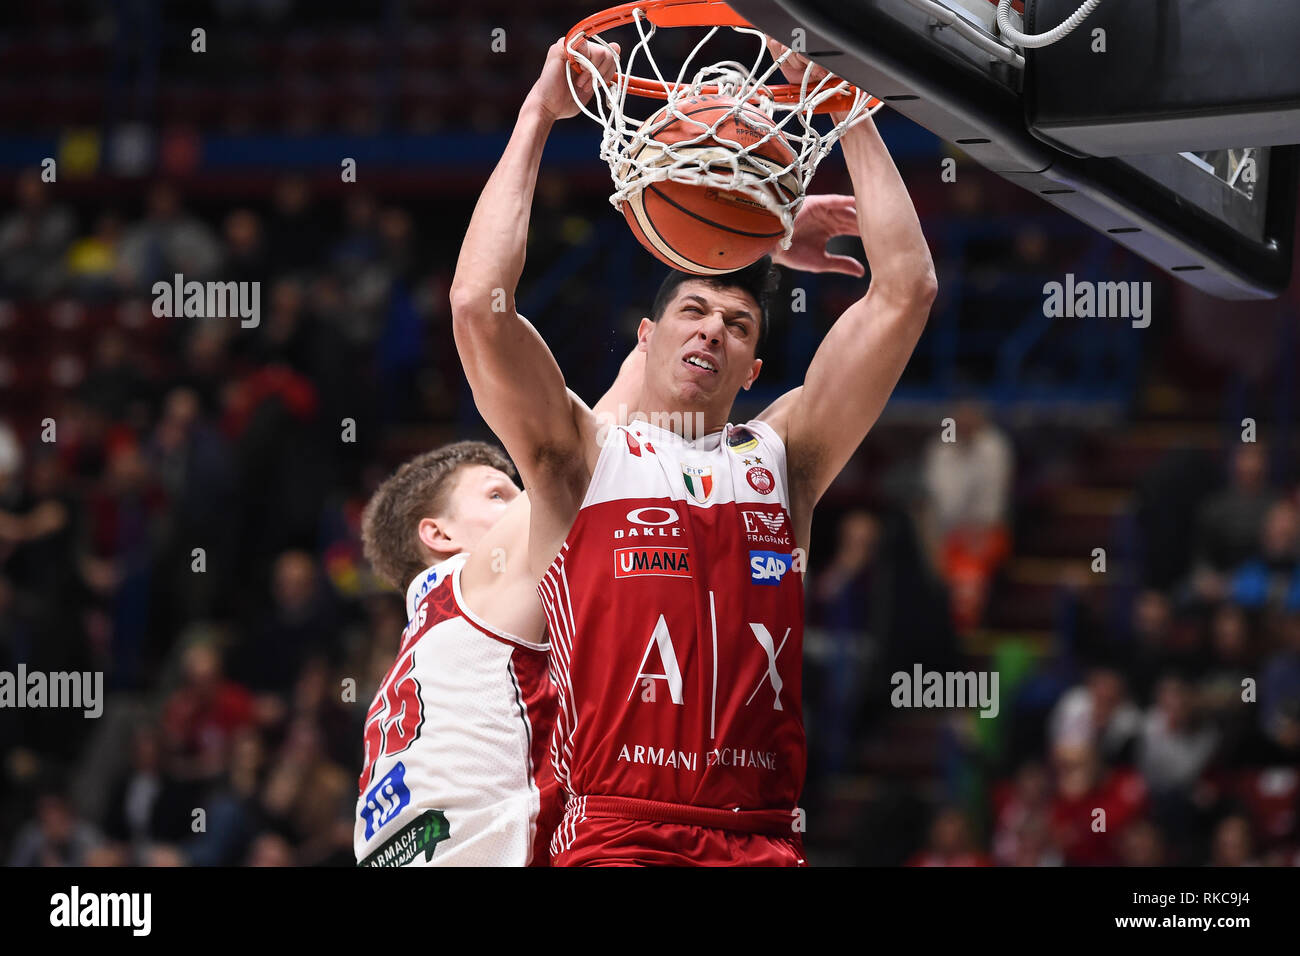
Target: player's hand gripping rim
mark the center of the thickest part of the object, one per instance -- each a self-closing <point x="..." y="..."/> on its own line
<point x="551" y="92"/>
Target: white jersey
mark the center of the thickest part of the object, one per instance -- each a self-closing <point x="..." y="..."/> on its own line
<point x="456" y="765"/>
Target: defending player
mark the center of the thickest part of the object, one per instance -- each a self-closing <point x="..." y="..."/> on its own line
<point x="671" y="563"/>
<point x="457" y="769"/>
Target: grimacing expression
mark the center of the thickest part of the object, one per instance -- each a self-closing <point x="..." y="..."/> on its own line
<point x="478" y="498"/>
<point x="703" y="346"/>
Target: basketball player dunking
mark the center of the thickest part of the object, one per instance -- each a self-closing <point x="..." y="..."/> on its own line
<point x="669" y="563"/>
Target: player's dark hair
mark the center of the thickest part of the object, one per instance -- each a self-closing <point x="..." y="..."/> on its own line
<point x="760" y="279"/>
<point x="421" y="488"/>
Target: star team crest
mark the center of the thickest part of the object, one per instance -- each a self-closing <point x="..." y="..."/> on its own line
<point x="698" y="481"/>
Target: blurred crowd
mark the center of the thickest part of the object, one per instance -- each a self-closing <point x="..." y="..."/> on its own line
<point x="1160" y="727"/>
<point x="179" y="508"/>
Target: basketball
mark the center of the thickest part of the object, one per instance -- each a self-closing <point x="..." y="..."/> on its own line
<point x="699" y="228"/>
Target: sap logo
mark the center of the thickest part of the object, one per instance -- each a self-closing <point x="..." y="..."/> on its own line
<point x="662" y="562"/>
<point x="769" y="567"/>
<point x="651" y="523"/>
<point x="386" y="799"/>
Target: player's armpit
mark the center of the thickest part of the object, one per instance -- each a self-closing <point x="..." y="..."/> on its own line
<point x="848" y="383"/>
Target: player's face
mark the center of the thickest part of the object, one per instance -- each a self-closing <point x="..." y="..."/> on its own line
<point x="476" y="503"/>
<point x="702" y="348"/>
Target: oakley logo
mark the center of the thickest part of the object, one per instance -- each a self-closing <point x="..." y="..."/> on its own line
<point x="653" y="516"/>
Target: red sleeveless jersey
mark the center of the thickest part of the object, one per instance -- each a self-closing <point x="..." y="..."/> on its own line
<point x="676" y="616"/>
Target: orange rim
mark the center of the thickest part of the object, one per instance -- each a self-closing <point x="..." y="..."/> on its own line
<point x="689" y="13"/>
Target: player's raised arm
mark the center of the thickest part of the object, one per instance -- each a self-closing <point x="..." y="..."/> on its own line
<point x="517" y="385"/>
<point x="862" y="357"/>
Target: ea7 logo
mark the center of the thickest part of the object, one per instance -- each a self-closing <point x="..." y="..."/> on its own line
<point x="769" y="567"/>
<point x="386" y="799"/>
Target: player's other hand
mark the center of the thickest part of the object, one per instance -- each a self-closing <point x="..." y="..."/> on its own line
<point x="796" y="64"/>
<point x="820" y="219"/>
<point x="551" y="91"/>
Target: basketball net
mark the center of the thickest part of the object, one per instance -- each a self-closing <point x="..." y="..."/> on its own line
<point x="724" y="164"/>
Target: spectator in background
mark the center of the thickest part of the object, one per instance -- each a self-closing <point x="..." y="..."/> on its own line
<point x="169" y="240"/>
<point x="1228" y="525"/>
<point x="93" y="263"/>
<point x="11" y="466"/>
<point x="1174" y="749"/>
<point x="294" y="239"/>
<point x="234" y="808"/>
<point x="1220" y="690"/>
<point x="1279" y="693"/>
<point x="1272" y="577"/>
<point x="203" y="715"/>
<point x="950" y="843"/>
<point x="270" y="849"/>
<point x="1099" y="714"/>
<point x="192" y="462"/>
<point x="1092" y="805"/>
<point x="1233" y="843"/>
<point x="1158" y="642"/>
<point x="359" y="247"/>
<point x="245" y="252"/>
<point x="33" y="238"/>
<point x="115" y="384"/>
<point x="126" y="512"/>
<point x="1022" y="834"/>
<point x="969" y="485"/>
<point x="841" y="596"/>
<point x="206" y="364"/>
<point x="40" y="529"/>
<point x="1142" y="844"/>
<point x="55" y="837"/>
<point x="301" y="625"/>
<point x="304" y="794"/>
<point x="146" y="805"/>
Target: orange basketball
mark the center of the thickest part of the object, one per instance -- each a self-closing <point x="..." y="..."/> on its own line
<point x="701" y="229"/>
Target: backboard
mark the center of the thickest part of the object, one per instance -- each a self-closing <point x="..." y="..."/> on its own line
<point x="1220" y="219"/>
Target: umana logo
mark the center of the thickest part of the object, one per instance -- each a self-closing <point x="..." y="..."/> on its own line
<point x="661" y="562"/>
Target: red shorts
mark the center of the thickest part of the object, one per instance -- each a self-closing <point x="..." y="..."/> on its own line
<point x="615" y="832"/>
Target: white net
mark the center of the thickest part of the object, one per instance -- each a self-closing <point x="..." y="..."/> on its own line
<point x="706" y="156"/>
